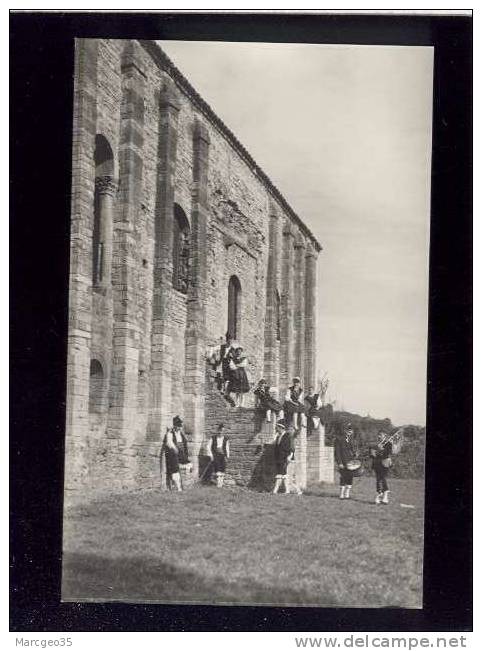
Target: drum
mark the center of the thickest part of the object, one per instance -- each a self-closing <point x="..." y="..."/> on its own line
<point x="387" y="463"/>
<point x="354" y="465"/>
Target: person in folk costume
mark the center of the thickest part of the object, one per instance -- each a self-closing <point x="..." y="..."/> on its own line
<point x="239" y="383"/>
<point x="294" y="403"/>
<point x="381" y="455"/>
<point x="266" y="401"/>
<point x="176" y="452"/>
<point x="314" y="408"/>
<point x="213" y="358"/>
<point x="284" y="455"/>
<point x="344" y="453"/>
<point x="226" y="354"/>
<point x="218" y="451"/>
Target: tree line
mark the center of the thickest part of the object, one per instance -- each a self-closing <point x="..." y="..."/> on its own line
<point x="408" y="464"/>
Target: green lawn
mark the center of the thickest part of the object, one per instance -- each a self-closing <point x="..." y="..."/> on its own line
<point x="237" y="546"/>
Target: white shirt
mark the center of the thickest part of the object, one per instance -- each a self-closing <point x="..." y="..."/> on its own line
<point x="288" y="396"/>
<point x="173" y="438"/>
<point x="219" y="441"/>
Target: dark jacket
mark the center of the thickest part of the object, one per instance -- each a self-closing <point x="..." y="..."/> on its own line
<point x="344" y="450"/>
<point x="284" y="446"/>
<point x="379" y="455"/>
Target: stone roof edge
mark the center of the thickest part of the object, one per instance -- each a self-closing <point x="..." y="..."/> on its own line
<point x="165" y="63"/>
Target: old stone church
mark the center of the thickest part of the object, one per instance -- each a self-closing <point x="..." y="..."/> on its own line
<point x="177" y="236"/>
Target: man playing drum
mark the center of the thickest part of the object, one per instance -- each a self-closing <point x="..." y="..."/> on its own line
<point x="345" y="457"/>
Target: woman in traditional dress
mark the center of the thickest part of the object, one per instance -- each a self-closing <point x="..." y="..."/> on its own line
<point x="176" y="453"/>
<point x="239" y="384"/>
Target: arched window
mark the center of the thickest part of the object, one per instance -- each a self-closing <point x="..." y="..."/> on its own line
<point x="277" y="304"/>
<point x="181" y="250"/>
<point x="104" y="191"/>
<point x="234" y="307"/>
<point x="96" y="388"/>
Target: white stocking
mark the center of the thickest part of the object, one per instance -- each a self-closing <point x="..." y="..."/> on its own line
<point x="176" y="479"/>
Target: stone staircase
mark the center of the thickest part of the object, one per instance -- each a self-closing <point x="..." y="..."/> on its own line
<point x="251" y="459"/>
<point x="251" y="437"/>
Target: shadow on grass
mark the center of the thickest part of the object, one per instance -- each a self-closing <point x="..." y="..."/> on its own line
<point x="89" y="577"/>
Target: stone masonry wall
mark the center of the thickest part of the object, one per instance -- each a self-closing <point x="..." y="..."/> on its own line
<point x="150" y="339"/>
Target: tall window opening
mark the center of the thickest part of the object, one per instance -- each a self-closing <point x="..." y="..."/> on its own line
<point x="96" y="388"/>
<point x="277" y="304"/>
<point x="104" y="192"/>
<point x="181" y="250"/>
<point x="234" y="307"/>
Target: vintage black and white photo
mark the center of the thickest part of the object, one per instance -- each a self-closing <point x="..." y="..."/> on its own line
<point x="247" y="345"/>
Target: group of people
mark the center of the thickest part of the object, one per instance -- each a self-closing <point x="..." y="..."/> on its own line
<point x="176" y="451"/>
<point x="346" y="458"/>
<point x="232" y="379"/>
<point x="298" y="409"/>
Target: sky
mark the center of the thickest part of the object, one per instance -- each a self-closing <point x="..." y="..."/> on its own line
<point x="345" y="133"/>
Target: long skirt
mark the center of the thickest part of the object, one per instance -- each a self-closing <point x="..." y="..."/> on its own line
<point x="239" y="381"/>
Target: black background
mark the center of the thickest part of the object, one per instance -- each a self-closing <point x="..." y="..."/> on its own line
<point x="41" y="132"/>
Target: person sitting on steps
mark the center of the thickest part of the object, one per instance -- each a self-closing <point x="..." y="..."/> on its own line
<point x="293" y="405"/>
<point x="314" y="409"/>
<point x="266" y="402"/>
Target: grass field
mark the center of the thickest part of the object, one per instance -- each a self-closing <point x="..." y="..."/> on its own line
<point x="237" y="546"/>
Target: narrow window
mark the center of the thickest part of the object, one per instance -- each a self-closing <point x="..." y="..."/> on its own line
<point x="234" y="306"/>
<point x="104" y="186"/>
<point x="96" y="388"/>
<point x="278" y="315"/>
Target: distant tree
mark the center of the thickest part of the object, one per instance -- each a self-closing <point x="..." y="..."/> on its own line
<point x="409" y="463"/>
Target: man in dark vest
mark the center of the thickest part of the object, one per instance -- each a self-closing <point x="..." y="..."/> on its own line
<point x="345" y="453"/>
<point x="294" y="404"/>
<point x="176" y="453"/>
<point x="218" y="451"/>
<point x="284" y="455"/>
<point x="382" y="462"/>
